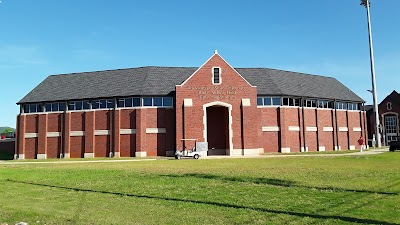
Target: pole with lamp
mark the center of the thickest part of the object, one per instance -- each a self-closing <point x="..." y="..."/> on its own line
<point x="367" y="5"/>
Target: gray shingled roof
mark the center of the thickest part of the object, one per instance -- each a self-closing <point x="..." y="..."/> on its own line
<point x="153" y="81"/>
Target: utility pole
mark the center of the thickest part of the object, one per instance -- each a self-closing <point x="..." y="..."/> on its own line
<point x="367" y="5"/>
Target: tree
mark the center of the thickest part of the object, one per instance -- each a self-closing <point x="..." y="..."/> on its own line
<point x="7" y="130"/>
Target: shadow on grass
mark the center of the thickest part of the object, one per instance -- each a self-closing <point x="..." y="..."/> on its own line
<point x="273" y="182"/>
<point x="315" y="216"/>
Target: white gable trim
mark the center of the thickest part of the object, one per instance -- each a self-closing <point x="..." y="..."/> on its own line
<point x="216" y="53"/>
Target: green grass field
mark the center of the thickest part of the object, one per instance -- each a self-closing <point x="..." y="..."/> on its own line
<point x="294" y="190"/>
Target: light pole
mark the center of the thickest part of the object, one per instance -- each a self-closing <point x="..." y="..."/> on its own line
<point x="367" y="5"/>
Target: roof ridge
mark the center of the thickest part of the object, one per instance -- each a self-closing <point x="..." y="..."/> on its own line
<point x="301" y="73"/>
<point x="140" y="67"/>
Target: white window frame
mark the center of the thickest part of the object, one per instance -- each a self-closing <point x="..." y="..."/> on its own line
<point x="389" y="106"/>
<point x="212" y="75"/>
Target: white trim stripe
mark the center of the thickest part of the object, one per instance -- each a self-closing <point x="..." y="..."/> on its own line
<point x="156" y="130"/>
<point x="53" y="134"/>
<point x="312" y="129"/>
<point x="77" y="133"/>
<point x="127" y="131"/>
<point x="294" y="128"/>
<point x="328" y="129"/>
<point x="357" y="129"/>
<point x="270" y="129"/>
<point x="31" y="135"/>
<point x="343" y="129"/>
<point x="101" y="132"/>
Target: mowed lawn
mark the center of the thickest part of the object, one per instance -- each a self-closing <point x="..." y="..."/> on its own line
<point x="293" y="190"/>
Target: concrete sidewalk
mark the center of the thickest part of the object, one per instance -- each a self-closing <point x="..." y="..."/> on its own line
<point x="368" y="152"/>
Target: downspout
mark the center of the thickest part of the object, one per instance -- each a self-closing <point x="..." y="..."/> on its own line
<point x="363" y="123"/>
<point x="64" y="131"/>
<point x="304" y="128"/>
<point x="337" y="127"/>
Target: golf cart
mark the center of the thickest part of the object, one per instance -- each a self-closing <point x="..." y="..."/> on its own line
<point x="193" y="152"/>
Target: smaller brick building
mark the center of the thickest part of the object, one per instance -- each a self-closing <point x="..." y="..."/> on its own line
<point x="389" y="110"/>
<point x="148" y="111"/>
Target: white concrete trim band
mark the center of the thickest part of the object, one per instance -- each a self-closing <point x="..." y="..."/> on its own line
<point x="140" y="154"/>
<point x="314" y="129"/>
<point x="101" y="132"/>
<point x="294" y="128"/>
<point x="252" y="152"/>
<point x="328" y="129"/>
<point x="31" y="135"/>
<point x="246" y="102"/>
<point x="77" y="133"/>
<point x="187" y="102"/>
<point x="270" y="129"/>
<point x="127" y="131"/>
<point x="156" y="130"/>
<point x="53" y="134"/>
<point x="321" y="148"/>
<point x="41" y="156"/>
<point x="352" y="147"/>
<point x="88" y="155"/>
<point x="285" y="150"/>
<point x="304" y="150"/>
<point x="357" y="129"/>
<point x="343" y="129"/>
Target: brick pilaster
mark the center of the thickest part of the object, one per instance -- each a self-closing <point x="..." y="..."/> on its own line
<point x="66" y="134"/>
<point x="89" y="131"/>
<point x="140" y="132"/>
<point x="20" y="135"/>
<point x="42" y="135"/>
<point x="283" y="129"/>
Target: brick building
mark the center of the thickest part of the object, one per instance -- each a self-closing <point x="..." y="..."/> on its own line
<point x="146" y="111"/>
<point x="389" y="110"/>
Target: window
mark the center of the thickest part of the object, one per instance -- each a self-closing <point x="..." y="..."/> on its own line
<point x="391" y="124"/>
<point x="55" y="107"/>
<point x="260" y="101"/>
<point x="389" y="106"/>
<point x="157" y="101"/>
<point x="353" y="106"/>
<point x="167" y="101"/>
<point x="291" y="102"/>
<point x="268" y="101"/>
<point x="310" y="103"/>
<point x="276" y="101"/>
<point x="136" y="102"/>
<point x="33" y="108"/>
<point x="79" y="105"/>
<point x="103" y="104"/>
<point x="216" y="75"/>
<point x="324" y="104"/>
<point x="341" y="105"/>
<point x="148" y="101"/>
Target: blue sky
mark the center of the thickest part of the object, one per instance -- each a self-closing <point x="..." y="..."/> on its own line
<point x="44" y="37"/>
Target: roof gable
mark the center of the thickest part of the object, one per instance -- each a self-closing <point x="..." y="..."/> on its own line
<point x="393" y="97"/>
<point x="216" y="61"/>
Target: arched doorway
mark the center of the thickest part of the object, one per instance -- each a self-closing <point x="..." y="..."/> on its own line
<point x="218" y="128"/>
